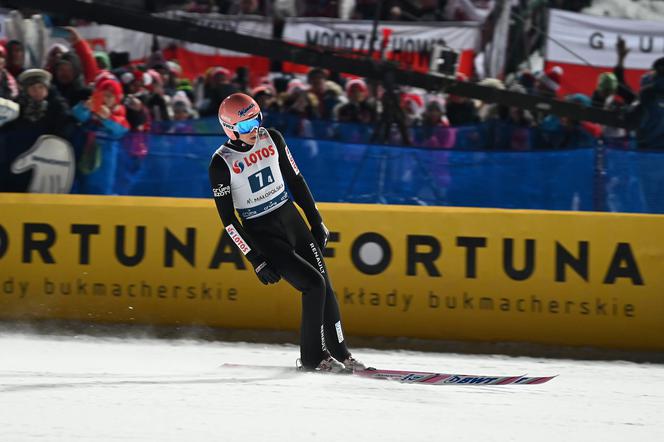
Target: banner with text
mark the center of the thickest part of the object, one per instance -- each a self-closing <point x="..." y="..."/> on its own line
<point x="585" y="46"/>
<point x="420" y="272"/>
<point x="410" y="44"/>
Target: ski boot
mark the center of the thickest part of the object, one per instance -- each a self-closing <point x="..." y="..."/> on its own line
<point x="354" y="365"/>
<point x="327" y="365"/>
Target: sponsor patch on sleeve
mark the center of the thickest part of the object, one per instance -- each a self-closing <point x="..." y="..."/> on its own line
<point x="237" y="239"/>
<point x="292" y="161"/>
<point x="221" y="190"/>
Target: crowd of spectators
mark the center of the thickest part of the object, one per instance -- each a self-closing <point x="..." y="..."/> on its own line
<point x="398" y="10"/>
<point x="78" y="87"/>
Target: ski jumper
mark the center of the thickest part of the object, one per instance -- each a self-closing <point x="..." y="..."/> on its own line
<point x="253" y="180"/>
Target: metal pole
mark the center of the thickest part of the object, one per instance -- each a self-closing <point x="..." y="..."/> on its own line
<point x="374" y="30"/>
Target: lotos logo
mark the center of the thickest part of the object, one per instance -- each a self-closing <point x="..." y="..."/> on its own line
<point x="237" y="239"/>
<point x="238" y="166"/>
<point x="253" y="158"/>
<point x="245" y="111"/>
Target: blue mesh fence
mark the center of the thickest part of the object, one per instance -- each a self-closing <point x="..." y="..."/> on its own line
<point x="176" y="165"/>
<point x="634" y="181"/>
<point x="464" y="173"/>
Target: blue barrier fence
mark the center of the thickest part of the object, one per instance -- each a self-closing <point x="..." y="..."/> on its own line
<point x="589" y="178"/>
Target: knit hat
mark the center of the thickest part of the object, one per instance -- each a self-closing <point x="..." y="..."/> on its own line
<point x="551" y="78"/>
<point x="34" y="76"/>
<point x="181" y="101"/>
<point x="137" y="75"/>
<point x="103" y="60"/>
<point x="412" y="102"/>
<point x="492" y="82"/>
<point x="296" y="85"/>
<point x="57" y="47"/>
<point x="218" y="70"/>
<point x="112" y="86"/>
<point x="263" y="89"/>
<point x="580" y="99"/>
<point x="436" y="104"/>
<point x="175" y="68"/>
<point x="358" y="83"/>
<point x="607" y="82"/>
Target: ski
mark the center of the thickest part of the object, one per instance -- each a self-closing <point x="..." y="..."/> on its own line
<point x="433" y="378"/>
<point x="424" y="377"/>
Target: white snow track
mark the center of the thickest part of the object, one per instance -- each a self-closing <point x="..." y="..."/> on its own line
<point x="100" y="389"/>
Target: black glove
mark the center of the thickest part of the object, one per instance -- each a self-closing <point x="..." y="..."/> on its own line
<point x="321" y="235"/>
<point x="266" y="273"/>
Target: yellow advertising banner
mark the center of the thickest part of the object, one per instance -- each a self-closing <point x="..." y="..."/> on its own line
<point x="565" y="278"/>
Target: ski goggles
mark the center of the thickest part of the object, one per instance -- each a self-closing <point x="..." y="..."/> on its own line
<point x="247" y="126"/>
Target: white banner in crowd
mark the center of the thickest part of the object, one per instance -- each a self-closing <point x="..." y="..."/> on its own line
<point x="112" y="39"/>
<point x="139" y="44"/>
<point x="594" y="38"/>
<point x="255" y="26"/>
<point x="356" y="34"/>
<point x="410" y="43"/>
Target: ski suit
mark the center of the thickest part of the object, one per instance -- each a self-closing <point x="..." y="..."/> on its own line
<point x="253" y="180"/>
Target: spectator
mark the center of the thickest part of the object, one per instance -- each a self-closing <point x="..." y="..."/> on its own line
<point x="616" y="135"/>
<point x="619" y="71"/>
<point x="156" y="99"/>
<point x="412" y="106"/>
<point x="264" y="96"/>
<point x="68" y="78"/>
<point x="435" y="130"/>
<point x="358" y="109"/>
<point x="508" y="128"/>
<point x="300" y="101"/>
<point x="461" y="111"/>
<point x="241" y="79"/>
<point x="184" y="85"/>
<point x="169" y="77"/>
<point x="104" y="109"/>
<point x="527" y="80"/>
<point x="43" y="110"/>
<point x="489" y="111"/>
<point x="607" y="85"/>
<point x="326" y="92"/>
<point x="53" y="55"/>
<point x="301" y="106"/>
<point x="518" y="116"/>
<point x="217" y="86"/>
<point x="15" y="62"/>
<point x="434" y="114"/>
<point x="648" y="114"/>
<point x="547" y="83"/>
<point x="103" y="60"/>
<point x="182" y="108"/>
<point x="8" y="85"/>
<point x="87" y="60"/>
<point x="558" y="133"/>
<point x="135" y="99"/>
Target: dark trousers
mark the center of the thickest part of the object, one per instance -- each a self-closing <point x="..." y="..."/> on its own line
<point x="285" y="240"/>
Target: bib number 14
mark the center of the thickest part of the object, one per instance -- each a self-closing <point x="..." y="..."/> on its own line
<point x="261" y="179"/>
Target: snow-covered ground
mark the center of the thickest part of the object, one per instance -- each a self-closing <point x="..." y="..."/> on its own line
<point x="65" y="388"/>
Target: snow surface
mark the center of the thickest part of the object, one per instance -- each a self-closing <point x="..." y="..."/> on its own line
<point x="57" y="388"/>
